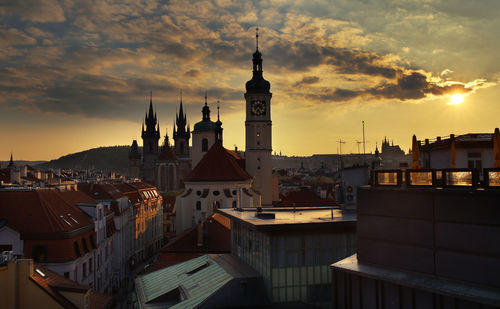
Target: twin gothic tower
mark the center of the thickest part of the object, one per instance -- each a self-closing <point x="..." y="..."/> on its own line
<point x="179" y="162"/>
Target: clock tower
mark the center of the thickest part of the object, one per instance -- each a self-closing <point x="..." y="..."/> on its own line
<point x="258" y="142"/>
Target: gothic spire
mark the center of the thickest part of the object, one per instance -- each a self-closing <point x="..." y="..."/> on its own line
<point x="11" y="162"/>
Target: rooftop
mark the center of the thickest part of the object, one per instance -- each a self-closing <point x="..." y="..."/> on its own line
<point x="190" y="283"/>
<point x="272" y="218"/>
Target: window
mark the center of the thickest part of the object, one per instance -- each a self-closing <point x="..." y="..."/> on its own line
<point x="198" y="205"/>
<point x="84" y="270"/>
<point x="216" y="193"/>
<point x="234" y="204"/>
<point x="77" y="249"/>
<point x="90" y="265"/>
<point x="66" y="274"/>
<point x="39" y="253"/>
<point x="204" y="145"/>
<point x="182" y="147"/>
<point x="84" y="245"/>
<point x="92" y="242"/>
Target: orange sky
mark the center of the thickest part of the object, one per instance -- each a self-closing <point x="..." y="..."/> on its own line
<point x="78" y="77"/>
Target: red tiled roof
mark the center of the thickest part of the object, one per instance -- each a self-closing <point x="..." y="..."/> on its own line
<point x="218" y="164"/>
<point x="44" y="210"/>
<point x="167" y="154"/>
<point x="100" y="191"/>
<point x="184" y="247"/>
<point x="218" y="239"/>
<point x="52" y="283"/>
<point x="305" y="198"/>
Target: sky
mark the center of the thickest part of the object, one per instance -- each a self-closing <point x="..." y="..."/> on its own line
<point x="76" y="75"/>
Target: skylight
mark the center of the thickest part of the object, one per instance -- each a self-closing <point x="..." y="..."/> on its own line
<point x="71" y="217"/>
<point x="66" y="221"/>
<point x="41" y="273"/>
<point x="197" y="269"/>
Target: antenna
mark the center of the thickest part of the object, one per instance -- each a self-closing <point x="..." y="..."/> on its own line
<point x="358" y="142"/>
<point x="340" y="144"/>
<point x="364" y="144"/>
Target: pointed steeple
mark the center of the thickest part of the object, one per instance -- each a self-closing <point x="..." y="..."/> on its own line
<point x="11" y="162"/>
<point x="218" y="125"/>
<point x="180" y="122"/>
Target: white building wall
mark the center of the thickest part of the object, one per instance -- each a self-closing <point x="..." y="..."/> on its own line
<point x="11" y="237"/>
<point x="187" y="214"/>
<point x="196" y="152"/>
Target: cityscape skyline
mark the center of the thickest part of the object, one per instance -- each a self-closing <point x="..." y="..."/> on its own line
<point x="79" y="77"/>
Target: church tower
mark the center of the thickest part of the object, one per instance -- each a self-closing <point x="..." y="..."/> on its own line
<point x="181" y="137"/>
<point x="181" y="134"/>
<point x="258" y="124"/>
<point x="150" y="138"/>
<point x="134" y="161"/>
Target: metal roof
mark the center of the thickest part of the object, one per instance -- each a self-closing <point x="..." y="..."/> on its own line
<point x="195" y="282"/>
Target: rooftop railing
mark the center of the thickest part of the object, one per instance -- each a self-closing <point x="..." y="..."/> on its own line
<point x="457" y="178"/>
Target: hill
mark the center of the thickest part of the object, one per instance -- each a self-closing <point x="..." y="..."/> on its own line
<point x="105" y="159"/>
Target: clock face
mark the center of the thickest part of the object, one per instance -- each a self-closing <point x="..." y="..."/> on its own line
<point x="258" y="108"/>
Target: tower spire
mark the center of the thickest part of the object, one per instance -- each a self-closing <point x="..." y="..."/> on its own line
<point x="257" y="38"/>
<point x="218" y="107"/>
<point x="205" y="98"/>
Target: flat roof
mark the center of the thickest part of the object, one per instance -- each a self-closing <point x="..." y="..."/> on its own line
<point x="433" y="284"/>
<point x="316" y="217"/>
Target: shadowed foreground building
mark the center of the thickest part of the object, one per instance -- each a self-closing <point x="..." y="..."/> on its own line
<point x="293" y="250"/>
<point x="423" y="248"/>
<point x="28" y="285"/>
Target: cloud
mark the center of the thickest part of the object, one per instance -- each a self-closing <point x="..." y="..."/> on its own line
<point x="308" y="80"/>
<point x="34" y="10"/>
<point x="192" y="73"/>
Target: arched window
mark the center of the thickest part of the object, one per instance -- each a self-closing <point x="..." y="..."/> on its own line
<point x="204" y="145"/>
<point x="198" y="205"/>
<point x="234" y="204"/>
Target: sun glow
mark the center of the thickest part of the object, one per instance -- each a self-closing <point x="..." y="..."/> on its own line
<point x="455" y="99"/>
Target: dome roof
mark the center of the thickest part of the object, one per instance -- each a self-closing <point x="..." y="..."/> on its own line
<point x="205" y="126"/>
<point x="258" y="85"/>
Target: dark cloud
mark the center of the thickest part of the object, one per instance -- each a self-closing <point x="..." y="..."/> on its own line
<point x="34" y="10"/>
<point x="192" y="73"/>
<point x="308" y="80"/>
<point x="409" y="86"/>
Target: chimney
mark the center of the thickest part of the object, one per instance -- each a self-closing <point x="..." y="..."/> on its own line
<point x="438" y="138"/>
<point x="235" y="148"/>
<point x="199" y="238"/>
<point x="427" y="141"/>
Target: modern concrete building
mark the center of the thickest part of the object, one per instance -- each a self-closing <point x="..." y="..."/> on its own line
<point x="423" y="248"/>
<point x="293" y="248"/>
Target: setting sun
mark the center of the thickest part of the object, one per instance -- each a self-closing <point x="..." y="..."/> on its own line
<point x="456" y="99"/>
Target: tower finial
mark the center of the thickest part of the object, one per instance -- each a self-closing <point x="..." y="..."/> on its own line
<point x="205" y="98"/>
<point x="151" y="96"/>
<point x="181" y="95"/>
<point x="218" y="107"/>
<point x="257" y="38"/>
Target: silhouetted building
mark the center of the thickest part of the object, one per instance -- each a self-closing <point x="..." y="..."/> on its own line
<point x="204" y="134"/>
<point x="150" y="149"/>
<point x="422" y="248"/>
